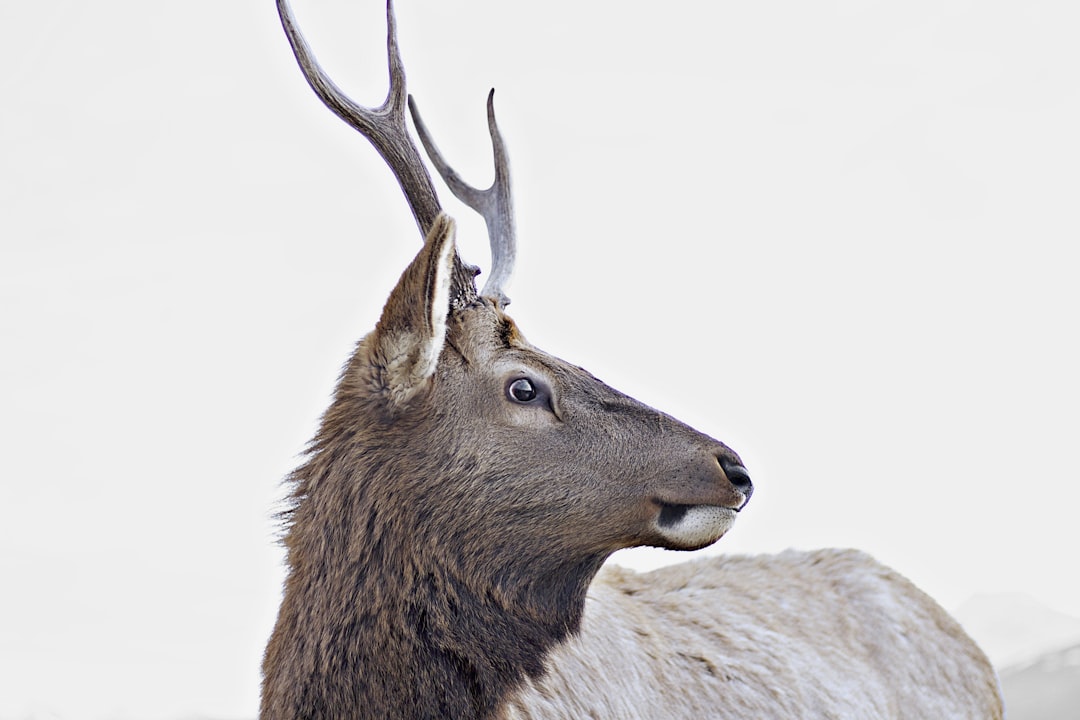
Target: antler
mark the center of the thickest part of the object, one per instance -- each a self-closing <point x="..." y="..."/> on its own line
<point x="495" y="204"/>
<point x="383" y="126"/>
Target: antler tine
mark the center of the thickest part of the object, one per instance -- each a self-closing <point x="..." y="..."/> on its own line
<point x="495" y="204"/>
<point x="383" y="126"/>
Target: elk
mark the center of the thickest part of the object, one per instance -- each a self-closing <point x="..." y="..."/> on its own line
<point x="448" y="527"/>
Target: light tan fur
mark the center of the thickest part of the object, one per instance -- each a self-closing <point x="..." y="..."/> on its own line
<point x="825" y="634"/>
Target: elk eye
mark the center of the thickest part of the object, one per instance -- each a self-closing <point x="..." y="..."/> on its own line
<point x="521" y="390"/>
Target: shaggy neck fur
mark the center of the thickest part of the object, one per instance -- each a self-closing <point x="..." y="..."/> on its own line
<point x="385" y="615"/>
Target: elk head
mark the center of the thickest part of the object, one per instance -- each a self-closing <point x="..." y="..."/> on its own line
<point x="493" y="440"/>
<point x="454" y="450"/>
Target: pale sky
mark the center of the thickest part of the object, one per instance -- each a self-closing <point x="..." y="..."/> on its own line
<point x="839" y="236"/>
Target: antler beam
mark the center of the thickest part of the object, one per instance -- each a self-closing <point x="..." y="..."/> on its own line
<point x="383" y="126"/>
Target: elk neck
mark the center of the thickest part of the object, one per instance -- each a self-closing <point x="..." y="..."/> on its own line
<point x="393" y="606"/>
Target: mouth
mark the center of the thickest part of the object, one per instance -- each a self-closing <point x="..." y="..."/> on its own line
<point x="690" y="527"/>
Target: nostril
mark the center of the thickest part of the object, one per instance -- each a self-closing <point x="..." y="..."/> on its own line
<point x="738" y="476"/>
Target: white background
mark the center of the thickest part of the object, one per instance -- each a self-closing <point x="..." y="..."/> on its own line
<point x="839" y="236"/>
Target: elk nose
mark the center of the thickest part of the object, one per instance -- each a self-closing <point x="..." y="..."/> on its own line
<point x="739" y="478"/>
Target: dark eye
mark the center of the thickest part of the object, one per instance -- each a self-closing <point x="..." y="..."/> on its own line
<point x="521" y="390"/>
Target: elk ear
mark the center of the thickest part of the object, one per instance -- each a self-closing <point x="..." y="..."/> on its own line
<point x="404" y="349"/>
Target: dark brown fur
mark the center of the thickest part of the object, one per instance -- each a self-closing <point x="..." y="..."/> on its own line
<point x="443" y="536"/>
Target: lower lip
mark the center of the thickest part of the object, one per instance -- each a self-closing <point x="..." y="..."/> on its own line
<point x="693" y="525"/>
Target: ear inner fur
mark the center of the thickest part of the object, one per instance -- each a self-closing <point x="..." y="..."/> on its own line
<point x="404" y="349"/>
